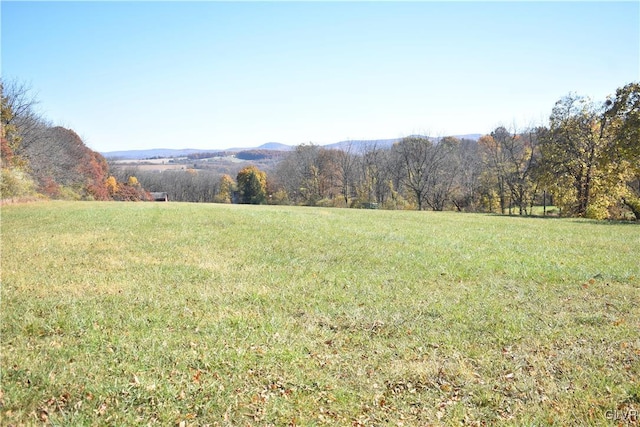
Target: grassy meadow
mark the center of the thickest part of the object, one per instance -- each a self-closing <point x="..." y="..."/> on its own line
<point x="194" y="314"/>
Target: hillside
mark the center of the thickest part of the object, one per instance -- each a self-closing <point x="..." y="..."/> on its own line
<point x="59" y="161"/>
<point x="40" y="160"/>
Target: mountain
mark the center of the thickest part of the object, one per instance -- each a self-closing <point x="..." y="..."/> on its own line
<point x="471" y="136"/>
<point x="151" y="153"/>
<point x="361" y="144"/>
<point x="275" y="146"/>
<point x="356" y="146"/>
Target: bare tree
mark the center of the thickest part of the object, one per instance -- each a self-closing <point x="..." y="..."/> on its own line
<point x="299" y="172"/>
<point x="422" y="160"/>
<point x="467" y="188"/>
<point x="347" y="160"/>
<point x="445" y="169"/>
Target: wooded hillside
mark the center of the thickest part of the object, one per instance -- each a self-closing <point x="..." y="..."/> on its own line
<point x="43" y="160"/>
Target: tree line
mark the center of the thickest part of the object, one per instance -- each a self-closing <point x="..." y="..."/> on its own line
<point x="585" y="162"/>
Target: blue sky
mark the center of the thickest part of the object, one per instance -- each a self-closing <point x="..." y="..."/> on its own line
<point x="215" y="75"/>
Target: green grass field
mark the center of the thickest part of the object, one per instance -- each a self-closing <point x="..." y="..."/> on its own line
<point x="194" y="314"/>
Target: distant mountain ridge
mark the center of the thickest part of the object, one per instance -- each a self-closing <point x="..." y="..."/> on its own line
<point x="275" y="146"/>
<point x="354" y="145"/>
<point x="151" y="153"/>
<point x="361" y="144"/>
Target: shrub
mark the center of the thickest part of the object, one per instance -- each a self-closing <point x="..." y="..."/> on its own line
<point x="16" y="184"/>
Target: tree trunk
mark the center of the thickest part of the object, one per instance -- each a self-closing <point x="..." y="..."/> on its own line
<point x="634" y="206"/>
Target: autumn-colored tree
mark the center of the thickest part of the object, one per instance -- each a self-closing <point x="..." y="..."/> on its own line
<point x="225" y="190"/>
<point x="131" y="190"/>
<point x="94" y="168"/>
<point x="576" y="158"/>
<point x="112" y="185"/>
<point x="252" y="185"/>
<point x="50" y="188"/>
<point x="133" y="181"/>
<point x="623" y="116"/>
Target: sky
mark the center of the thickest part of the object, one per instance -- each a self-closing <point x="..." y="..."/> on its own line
<point x="215" y="75"/>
